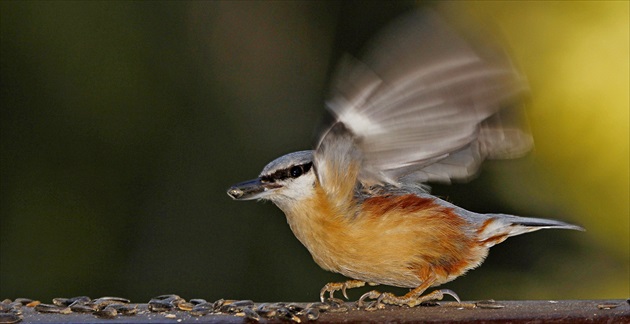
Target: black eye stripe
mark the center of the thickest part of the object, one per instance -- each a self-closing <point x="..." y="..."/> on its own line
<point x="307" y="167"/>
<point x="286" y="173"/>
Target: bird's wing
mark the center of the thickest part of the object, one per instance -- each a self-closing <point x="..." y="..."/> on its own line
<point x="424" y="105"/>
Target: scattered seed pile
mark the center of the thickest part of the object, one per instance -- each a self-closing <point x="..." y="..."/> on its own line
<point x="111" y="307"/>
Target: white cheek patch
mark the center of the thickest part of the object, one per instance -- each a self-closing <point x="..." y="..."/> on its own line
<point x="296" y="189"/>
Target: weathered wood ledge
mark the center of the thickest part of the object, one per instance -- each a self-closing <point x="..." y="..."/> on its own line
<point x="539" y="311"/>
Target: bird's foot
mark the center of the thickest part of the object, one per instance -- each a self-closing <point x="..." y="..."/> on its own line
<point x="331" y="287"/>
<point x="410" y="299"/>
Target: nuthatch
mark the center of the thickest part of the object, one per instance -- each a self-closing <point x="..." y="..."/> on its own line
<point x="421" y="106"/>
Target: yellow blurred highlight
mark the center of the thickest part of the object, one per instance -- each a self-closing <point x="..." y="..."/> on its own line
<point x="576" y="57"/>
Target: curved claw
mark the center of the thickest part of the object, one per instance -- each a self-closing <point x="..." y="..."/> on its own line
<point x="450" y="293"/>
<point x="370" y="294"/>
<point x="323" y="292"/>
<point x="330" y="288"/>
<point x="376" y="304"/>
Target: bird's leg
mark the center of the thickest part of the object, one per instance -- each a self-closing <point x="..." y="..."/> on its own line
<point x="411" y="299"/>
<point x="331" y="287"/>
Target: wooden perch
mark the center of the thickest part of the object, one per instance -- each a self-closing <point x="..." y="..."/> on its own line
<point x="562" y="311"/>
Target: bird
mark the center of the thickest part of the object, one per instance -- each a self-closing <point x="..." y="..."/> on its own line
<point x="424" y="104"/>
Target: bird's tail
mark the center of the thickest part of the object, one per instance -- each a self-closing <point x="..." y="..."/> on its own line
<point x="498" y="227"/>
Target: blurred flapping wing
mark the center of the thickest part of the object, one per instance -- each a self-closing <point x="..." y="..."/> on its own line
<point x="424" y="105"/>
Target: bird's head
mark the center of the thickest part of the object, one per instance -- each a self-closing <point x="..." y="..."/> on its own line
<point x="289" y="178"/>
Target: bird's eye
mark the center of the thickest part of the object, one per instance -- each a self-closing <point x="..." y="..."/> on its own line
<point x="295" y="171"/>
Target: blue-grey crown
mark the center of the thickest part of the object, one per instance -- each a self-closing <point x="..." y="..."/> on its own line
<point x="286" y="161"/>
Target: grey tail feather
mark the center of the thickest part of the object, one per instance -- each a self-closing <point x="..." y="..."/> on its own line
<point x="560" y="225"/>
<point x="538" y="222"/>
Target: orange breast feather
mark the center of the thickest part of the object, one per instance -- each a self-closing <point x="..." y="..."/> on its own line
<point x="393" y="240"/>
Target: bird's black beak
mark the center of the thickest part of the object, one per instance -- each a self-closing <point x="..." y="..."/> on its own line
<point x="252" y="189"/>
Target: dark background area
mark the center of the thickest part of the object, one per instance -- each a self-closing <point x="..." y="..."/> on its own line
<point x="123" y="124"/>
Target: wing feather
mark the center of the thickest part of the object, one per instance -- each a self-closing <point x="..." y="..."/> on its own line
<point x="424" y="105"/>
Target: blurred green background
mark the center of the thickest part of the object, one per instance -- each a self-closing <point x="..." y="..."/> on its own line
<point x="123" y="123"/>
